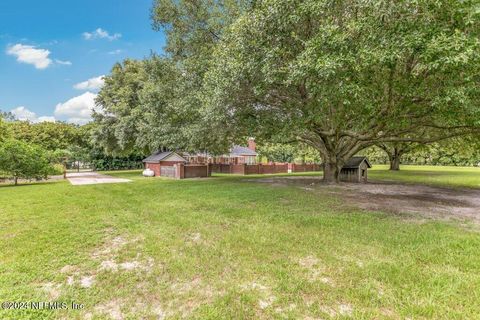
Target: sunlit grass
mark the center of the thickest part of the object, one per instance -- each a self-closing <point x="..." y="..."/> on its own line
<point x="226" y="248"/>
<point x="434" y="175"/>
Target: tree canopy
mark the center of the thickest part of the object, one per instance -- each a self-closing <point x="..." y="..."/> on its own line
<point x="339" y="76"/>
<point x="20" y="159"/>
<point x="49" y="135"/>
<point x="155" y="103"/>
<point x="344" y="75"/>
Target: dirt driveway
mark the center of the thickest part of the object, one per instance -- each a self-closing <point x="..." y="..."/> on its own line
<point x="83" y="178"/>
<point x="427" y="201"/>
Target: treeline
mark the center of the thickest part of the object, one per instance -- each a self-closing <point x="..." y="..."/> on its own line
<point x="34" y="151"/>
<point x="459" y="151"/>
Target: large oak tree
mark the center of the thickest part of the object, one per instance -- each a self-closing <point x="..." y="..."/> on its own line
<point x="156" y="103"/>
<point x="344" y="75"/>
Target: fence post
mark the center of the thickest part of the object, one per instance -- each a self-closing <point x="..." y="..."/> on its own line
<point x="179" y="171"/>
<point x="290" y="168"/>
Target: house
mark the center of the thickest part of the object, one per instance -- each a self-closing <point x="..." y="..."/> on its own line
<point x="238" y="155"/>
<point x="245" y="155"/>
<point x="162" y="163"/>
<point x="355" y="170"/>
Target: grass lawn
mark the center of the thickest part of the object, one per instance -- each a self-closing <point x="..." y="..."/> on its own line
<point x="433" y="175"/>
<point x="228" y="248"/>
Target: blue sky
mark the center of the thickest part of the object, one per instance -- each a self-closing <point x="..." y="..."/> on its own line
<point x="50" y="49"/>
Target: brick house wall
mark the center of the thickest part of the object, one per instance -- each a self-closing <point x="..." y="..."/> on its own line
<point x="156" y="167"/>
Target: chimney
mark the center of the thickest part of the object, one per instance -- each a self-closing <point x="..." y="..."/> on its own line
<point x="251" y="144"/>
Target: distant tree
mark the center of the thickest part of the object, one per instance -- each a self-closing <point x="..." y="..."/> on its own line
<point x="19" y="159"/>
<point x="7" y="115"/>
<point x="49" y="135"/>
<point x="155" y="104"/>
<point x="277" y="152"/>
<point x="4" y="130"/>
<point x="125" y="122"/>
<point x="396" y="150"/>
<point x="457" y="151"/>
<point x="280" y="152"/>
<point x="344" y="75"/>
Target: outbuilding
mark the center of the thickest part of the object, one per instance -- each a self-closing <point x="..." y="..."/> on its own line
<point x="355" y="170"/>
<point x="163" y="163"/>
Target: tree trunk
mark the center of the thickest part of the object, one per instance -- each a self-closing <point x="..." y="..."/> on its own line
<point x="15" y="179"/>
<point x="395" y="163"/>
<point x="331" y="172"/>
<point x="394" y="157"/>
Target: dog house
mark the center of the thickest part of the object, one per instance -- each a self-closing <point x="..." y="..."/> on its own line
<point x="355" y="170"/>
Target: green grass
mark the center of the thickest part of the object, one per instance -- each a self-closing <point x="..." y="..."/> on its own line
<point x="433" y="175"/>
<point x="227" y="248"/>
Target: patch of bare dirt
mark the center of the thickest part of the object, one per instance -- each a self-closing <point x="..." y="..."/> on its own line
<point x="267" y="299"/>
<point x="315" y="270"/>
<point x="53" y="290"/>
<point x="112" y="309"/>
<point x="426" y="201"/>
<point x="188" y="295"/>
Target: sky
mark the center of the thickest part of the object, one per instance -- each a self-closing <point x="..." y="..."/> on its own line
<point x="53" y="53"/>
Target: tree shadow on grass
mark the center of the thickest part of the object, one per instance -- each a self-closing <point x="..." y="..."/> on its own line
<point x="28" y="183"/>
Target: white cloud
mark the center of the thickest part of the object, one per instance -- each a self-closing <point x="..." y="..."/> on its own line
<point x="64" y="63"/>
<point x="78" y="109"/>
<point x="46" y="119"/>
<point x="23" y="114"/>
<point x="118" y="51"/>
<point x="101" y="34"/>
<point x="30" y="55"/>
<point x="91" y="84"/>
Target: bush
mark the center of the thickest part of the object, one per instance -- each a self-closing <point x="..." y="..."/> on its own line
<point x="19" y="159"/>
<point x="56" y="169"/>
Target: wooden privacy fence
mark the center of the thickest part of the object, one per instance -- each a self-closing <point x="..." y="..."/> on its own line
<point x="185" y="171"/>
<point x="245" y="169"/>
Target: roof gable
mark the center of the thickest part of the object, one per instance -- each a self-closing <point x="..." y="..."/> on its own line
<point x="162" y="156"/>
<point x="242" y="151"/>
<point x="173" y="156"/>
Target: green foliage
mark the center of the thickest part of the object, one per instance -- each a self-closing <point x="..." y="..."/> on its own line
<point x="459" y="151"/>
<point x="99" y="161"/>
<point x="278" y="152"/>
<point x="155" y="104"/>
<point x="137" y="107"/>
<point x="56" y="169"/>
<point x="19" y="159"/>
<point x="194" y="26"/>
<point x="4" y="130"/>
<point x="343" y="75"/>
<point x="50" y="135"/>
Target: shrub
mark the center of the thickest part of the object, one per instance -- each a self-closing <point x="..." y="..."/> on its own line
<point x="56" y="169"/>
<point x="19" y="159"/>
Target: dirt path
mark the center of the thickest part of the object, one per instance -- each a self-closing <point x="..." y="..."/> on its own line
<point x="83" y="178"/>
<point x="428" y="201"/>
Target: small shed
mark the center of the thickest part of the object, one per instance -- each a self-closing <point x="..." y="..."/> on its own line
<point x="163" y="163"/>
<point x="355" y="170"/>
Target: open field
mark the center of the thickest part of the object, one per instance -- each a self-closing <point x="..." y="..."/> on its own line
<point x="433" y="175"/>
<point x="234" y="248"/>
